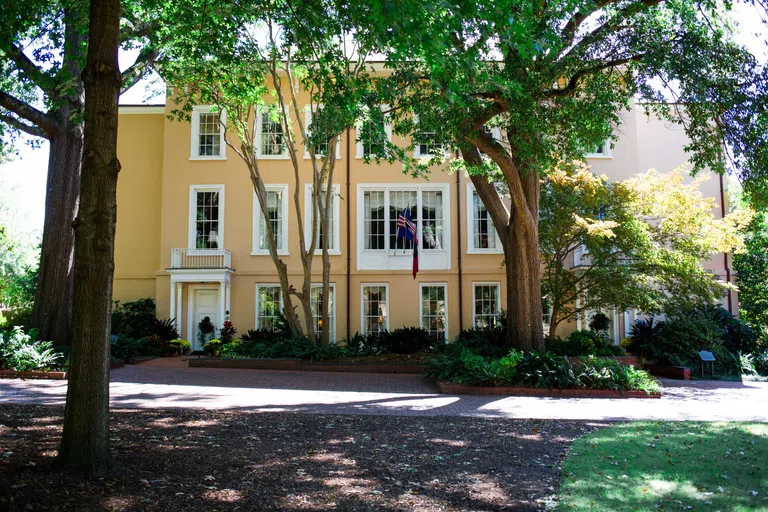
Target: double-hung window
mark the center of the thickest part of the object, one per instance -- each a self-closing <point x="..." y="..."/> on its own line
<point x="206" y="217"/>
<point x="277" y="217"/>
<point x="270" y="134"/>
<point x="381" y="246"/>
<point x="334" y="228"/>
<point x="434" y="310"/>
<point x="269" y="306"/>
<point x="600" y="151"/>
<point x="486" y="307"/>
<point x="373" y="134"/>
<point x="480" y="230"/>
<point x="316" y="294"/>
<point x="310" y="120"/>
<point x="207" y="133"/>
<point x="375" y="308"/>
<point x="425" y="144"/>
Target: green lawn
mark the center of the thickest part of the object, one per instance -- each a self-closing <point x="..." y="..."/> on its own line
<point x="668" y="466"/>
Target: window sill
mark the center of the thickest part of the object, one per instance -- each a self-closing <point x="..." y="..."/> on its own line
<point x="598" y="157"/>
<point x="320" y="158"/>
<point x="203" y="158"/>
<point x="266" y="253"/>
<point x="485" y="251"/>
<point x="273" y="157"/>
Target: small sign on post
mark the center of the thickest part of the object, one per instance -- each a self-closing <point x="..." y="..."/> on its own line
<point x="707" y="357"/>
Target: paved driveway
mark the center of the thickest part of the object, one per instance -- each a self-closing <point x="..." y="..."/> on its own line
<point x="158" y="385"/>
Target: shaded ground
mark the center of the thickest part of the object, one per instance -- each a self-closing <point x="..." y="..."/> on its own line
<point x="651" y="466"/>
<point x="219" y="460"/>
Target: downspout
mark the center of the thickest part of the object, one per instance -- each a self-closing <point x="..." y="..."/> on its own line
<point x="458" y="216"/>
<point x="349" y="255"/>
<point x="725" y="254"/>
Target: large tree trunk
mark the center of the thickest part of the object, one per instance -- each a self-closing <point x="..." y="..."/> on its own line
<point x="52" y="311"/>
<point x="85" y="440"/>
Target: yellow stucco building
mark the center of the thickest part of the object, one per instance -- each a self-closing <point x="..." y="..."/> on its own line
<point x="190" y="234"/>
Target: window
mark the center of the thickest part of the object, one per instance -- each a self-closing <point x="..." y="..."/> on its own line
<point x="425" y="145"/>
<point x="373" y="134"/>
<point x="434" y="310"/>
<point x="207" y="133"/>
<point x="334" y="229"/>
<point x="206" y="217"/>
<point x="277" y="215"/>
<point x="379" y="245"/>
<point x="322" y="149"/>
<point x="480" y="230"/>
<point x="317" y="291"/>
<point x="269" y="305"/>
<point x="375" y="308"/>
<point x="270" y="137"/>
<point x="601" y="151"/>
<point x="487" y="308"/>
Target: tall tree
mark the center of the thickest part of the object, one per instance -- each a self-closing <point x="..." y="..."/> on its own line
<point x="517" y="86"/>
<point x="42" y="54"/>
<point x="254" y="63"/>
<point x="85" y="440"/>
<point x="639" y="243"/>
<point x="751" y="268"/>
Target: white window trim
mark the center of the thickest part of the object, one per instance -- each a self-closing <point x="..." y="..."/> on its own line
<point x="283" y="243"/>
<point x="475" y="284"/>
<point x="332" y="311"/>
<point x="362" y="305"/>
<point x="471" y="227"/>
<point x="194" y="147"/>
<point x="417" y="149"/>
<point x="256" y="310"/>
<point x="421" y="305"/>
<point x="308" y="221"/>
<point x="607" y="153"/>
<point x="307" y="123"/>
<point x="257" y="132"/>
<point x="424" y="254"/>
<point x="359" y="154"/>
<point x="192" y="217"/>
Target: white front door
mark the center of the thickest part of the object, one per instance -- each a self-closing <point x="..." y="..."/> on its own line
<point x="205" y="303"/>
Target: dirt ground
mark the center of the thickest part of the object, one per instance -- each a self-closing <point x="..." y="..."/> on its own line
<point x="196" y="460"/>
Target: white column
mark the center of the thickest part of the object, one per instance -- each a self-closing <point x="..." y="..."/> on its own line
<point x="178" y="312"/>
<point x="228" y="302"/>
<point x="173" y="302"/>
<point x="222" y="299"/>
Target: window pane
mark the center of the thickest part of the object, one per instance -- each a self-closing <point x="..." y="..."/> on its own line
<point x="321" y="149"/>
<point x="425" y="144"/>
<point x="207" y="220"/>
<point x="373" y="135"/>
<point x="399" y="200"/>
<point x="484" y="232"/>
<point x="275" y="214"/>
<point x="432" y="219"/>
<point x="269" y="308"/>
<point x="486" y="307"/>
<point x="374" y="309"/>
<point x="272" y="139"/>
<point x="317" y="291"/>
<point x="209" y="133"/>
<point x="373" y="219"/>
<point x="433" y="317"/>
<point x="331" y="223"/>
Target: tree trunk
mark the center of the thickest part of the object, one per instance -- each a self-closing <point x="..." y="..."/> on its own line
<point x="52" y="310"/>
<point x="85" y="440"/>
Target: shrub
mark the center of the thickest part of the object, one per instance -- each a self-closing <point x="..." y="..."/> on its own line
<point x="181" y="346"/>
<point x="21" y="352"/>
<point x="584" y="343"/>
<point x="737" y="336"/>
<point x="643" y="335"/>
<point x="165" y="329"/>
<point x="405" y="340"/>
<point x="134" y="319"/>
<point x="488" y="342"/>
<point x="227" y="332"/>
<point x="126" y="348"/>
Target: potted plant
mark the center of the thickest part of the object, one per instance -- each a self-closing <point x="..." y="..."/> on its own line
<point x="213" y="348"/>
<point x="180" y="346"/>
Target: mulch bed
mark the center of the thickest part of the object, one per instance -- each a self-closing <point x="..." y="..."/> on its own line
<point x="461" y="389"/>
<point x="196" y="460"/>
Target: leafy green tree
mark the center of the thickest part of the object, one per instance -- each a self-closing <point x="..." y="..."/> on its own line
<point x="252" y="59"/>
<point x="752" y="275"/>
<point x="554" y="78"/>
<point x="640" y="243"/>
<point x="42" y="55"/>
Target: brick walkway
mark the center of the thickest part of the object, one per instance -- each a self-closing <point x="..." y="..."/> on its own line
<point x="168" y="383"/>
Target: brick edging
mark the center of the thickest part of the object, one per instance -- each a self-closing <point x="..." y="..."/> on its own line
<point x="671" y="372"/>
<point x="34" y="374"/>
<point x="311" y="366"/>
<point x="450" y="388"/>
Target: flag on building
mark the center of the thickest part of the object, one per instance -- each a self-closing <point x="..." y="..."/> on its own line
<point x="406" y="228"/>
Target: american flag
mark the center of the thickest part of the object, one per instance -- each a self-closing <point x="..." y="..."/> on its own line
<point x="406" y="228"/>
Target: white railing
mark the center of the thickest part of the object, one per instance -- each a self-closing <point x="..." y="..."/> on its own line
<point x="201" y="258"/>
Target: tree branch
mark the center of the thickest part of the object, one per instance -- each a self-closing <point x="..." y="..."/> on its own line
<point x="39" y="77"/>
<point x="25" y="111"/>
<point x="138" y="70"/>
<point x="24" y="127"/>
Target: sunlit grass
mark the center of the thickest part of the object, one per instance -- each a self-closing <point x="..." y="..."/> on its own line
<point x="668" y="466"/>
